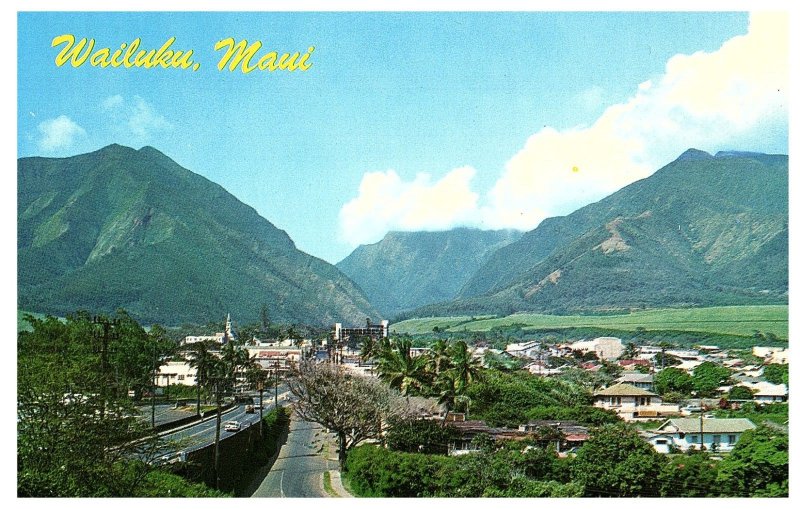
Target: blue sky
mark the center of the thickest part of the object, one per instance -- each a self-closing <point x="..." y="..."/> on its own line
<point x="414" y="120"/>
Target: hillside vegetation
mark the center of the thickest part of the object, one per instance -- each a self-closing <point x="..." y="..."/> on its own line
<point x="702" y="231"/>
<point x="125" y="228"/>
<point x="406" y="270"/>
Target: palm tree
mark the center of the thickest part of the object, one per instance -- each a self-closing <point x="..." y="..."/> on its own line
<point x="218" y="378"/>
<point x="440" y="356"/>
<point x="203" y="361"/>
<point x="400" y="370"/>
<point x="466" y="368"/>
<point x="369" y="348"/>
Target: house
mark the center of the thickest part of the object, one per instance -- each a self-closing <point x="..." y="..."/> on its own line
<point x="765" y="392"/>
<point x="771" y="354"/>
<point x="688" y="365"/>
<point x="565" y="434"/>
<point x="630" y="364"/>
<point x="690" y="433"/>
<point x="606" y="348"/>
<point x="640" y="380"/>
<point x="633" y="403"/>
<point x="541" y="369"/>
<point x="468" y="430"/>
<point x="529" y="349"/>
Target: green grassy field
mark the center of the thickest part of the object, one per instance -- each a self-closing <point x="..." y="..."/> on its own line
<point x="734" y="320"/>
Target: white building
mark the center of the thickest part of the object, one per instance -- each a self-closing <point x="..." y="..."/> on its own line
<point x="269" y="357"/>
<point x="772" y="354"/>
<point x="606" y="348"/>
<point x="219" y="337"/>
<point x="765" y="392"/>
<point x="176" y="373"/>
<point x="686" y="433"/>
<point x="529" y="349"/>
<point x="633" y="403"/>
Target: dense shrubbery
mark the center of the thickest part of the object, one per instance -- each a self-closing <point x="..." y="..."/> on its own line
<point x="276" y="422"/>
<point x="377" y="472"/>
<point x="505" y="399"/>
<point x="159" y="483"/>
<point x="420" y="435"/>
<point x="757" y="467"/>
<point x="616" y="462"/>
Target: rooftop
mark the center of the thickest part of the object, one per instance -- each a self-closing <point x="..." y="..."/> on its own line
<point x="623" y="390"/>
<point x="692" y="425"/>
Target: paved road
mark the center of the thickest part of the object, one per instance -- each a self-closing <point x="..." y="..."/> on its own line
<point x="203" y="433"/>
<point x="297" y="472"/>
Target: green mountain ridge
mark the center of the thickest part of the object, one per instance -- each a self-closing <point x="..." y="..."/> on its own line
<point x="131" y="228"/>
<point x="406" y="270"/>
<point x="703" y="230"/>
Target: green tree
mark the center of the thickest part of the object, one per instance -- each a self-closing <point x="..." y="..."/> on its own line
<point x="688" y="475"/>
<point x="777" y="373"/>
<point x="758" y="466"/>
<point x="264" y="320"/>
<point x="76" y="425"/>
<point x="617" y="462"/>
<point x="402" y="371"/>
<point x="502" y="362"/>
<point x="204" y="362"/>
<point x="410" y="434"/>
<point x="440" y="356"/>
<point x="740" y="392"/>
<point x="465" y="367"/>
<point x="673" y="380"/>
<point x="707" y="377"/>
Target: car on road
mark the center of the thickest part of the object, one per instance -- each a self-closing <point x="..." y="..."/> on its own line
<point x="249" y="409"/>
<point x="233" y="426"/>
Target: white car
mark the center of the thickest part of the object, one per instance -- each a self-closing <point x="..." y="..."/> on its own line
<point x="233" y="426"/>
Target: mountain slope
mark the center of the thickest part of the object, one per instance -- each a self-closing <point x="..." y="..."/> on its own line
<point x="703" y="230"/>
<point x="133" y="229"/>
<point x="410" y="269"/>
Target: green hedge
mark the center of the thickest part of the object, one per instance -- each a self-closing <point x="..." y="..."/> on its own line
<point x="377" y="472"/>
<point x="160" y="483"/>
<point x="276" y="421"/>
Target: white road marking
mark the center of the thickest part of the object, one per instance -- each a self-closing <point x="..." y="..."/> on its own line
<point x="282" y="472"/>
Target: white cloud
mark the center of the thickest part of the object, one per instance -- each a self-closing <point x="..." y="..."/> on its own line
<point x="58" y="133"/>
<point x="113" y="102"/>
<point x="386" y="203"/>
<point x="136" y="118"/>
<point x="734" y="98"/>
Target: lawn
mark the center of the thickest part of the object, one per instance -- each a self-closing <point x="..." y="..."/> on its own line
<point x="734" y="320"/>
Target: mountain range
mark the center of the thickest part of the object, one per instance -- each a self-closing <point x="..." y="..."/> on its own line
<point x="132" y="229"/>
<point x="703" y="230"/>
<point x="406" y="270"/>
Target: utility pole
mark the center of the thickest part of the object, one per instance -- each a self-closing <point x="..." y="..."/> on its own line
<point x="702" y="441"/>
<point x="153" y="392"/>
<point x="104" y="339"/>
<point x="275" y="364"/>
<point x="261" y="408"/>
<point x="216" y="437"/>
